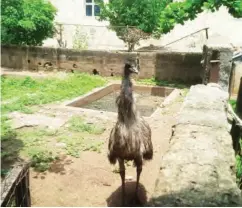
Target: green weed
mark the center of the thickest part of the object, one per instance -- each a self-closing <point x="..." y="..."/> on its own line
<point x="233" y="104"/>
<point x="93" y="146"/>
<point x="35" y="148"/>
<point x="4" y="172"/>
<point x="6" y="131"/>
<point x="239" y="170"/>
<point x="41" y="153"/>
<point x="239" y="166"/>
<point x="75" y="144"/>
<point x="10" y="145"/>
<point x="41" y="158"/>
<point x="79" y="125"/>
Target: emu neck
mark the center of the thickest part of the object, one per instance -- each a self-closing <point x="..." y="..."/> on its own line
<point x="126" y="87"/>
<point x="127" y="72"/>
<point x="126" y="106"/>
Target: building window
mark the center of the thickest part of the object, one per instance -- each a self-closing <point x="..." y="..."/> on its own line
<point x="92" y="9"/>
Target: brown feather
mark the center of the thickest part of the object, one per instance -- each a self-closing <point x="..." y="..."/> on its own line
<point x="130" y="138"/>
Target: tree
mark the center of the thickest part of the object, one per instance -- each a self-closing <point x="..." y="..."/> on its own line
<point x="179" y="12"/>
<point x="133" y="20"/>
<point x="27" y="22"/>
<point x="157" y="17"/>
<point x="132" y="36"/>
<point x="80" y="39"/>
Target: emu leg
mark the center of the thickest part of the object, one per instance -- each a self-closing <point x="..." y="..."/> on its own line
<point x="138" y="170"/>
<point x="122" y="174"/>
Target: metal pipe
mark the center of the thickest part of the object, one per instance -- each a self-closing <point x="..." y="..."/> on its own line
<point x="187" y="36"/>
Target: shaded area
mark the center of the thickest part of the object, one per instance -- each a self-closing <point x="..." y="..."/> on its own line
<point x="10" y="147"/>
<point x="57" y="167"/>
<point x="236" y="133"/>
<point x="196" y="195"/>
<point x="15" y="187"/>
<point x="114" y="200"/>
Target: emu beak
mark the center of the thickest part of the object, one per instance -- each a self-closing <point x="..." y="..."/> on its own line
<point x="135" y="70"/>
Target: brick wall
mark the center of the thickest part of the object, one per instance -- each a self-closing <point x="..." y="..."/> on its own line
<point x="162" y="65"/>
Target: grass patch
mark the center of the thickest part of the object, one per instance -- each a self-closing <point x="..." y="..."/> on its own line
<point x="19" y="94"/>
<point x="75" y="144"/>
<point x="154" y="82"/>
<point x="39" y="145"/>
<point x="239" y="170"/>
<point x="239" y="166"/>
<point x="10" y="145"/>
<point x="165" y="83"/>
<point x="36" y="147"/>
<point x="41" y="158"/>
<point x="78" y="124"/>
<point x="6" y="131"/>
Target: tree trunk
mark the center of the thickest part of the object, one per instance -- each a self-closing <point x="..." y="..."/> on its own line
<point x="239" y="101"/>
<point x="131" y="47"/>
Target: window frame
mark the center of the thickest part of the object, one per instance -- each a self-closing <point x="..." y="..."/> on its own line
<point x="93" y="4"/>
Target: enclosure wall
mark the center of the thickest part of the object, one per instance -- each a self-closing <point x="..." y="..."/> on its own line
<point x="162" y="65"/>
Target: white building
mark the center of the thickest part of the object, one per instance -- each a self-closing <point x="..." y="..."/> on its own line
<point x="71" y="13"/>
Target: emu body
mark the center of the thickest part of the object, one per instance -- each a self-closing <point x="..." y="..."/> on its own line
<point x="130" y="138"/>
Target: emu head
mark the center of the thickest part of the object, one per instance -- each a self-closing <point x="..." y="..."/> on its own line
<point x="131" y="66"/>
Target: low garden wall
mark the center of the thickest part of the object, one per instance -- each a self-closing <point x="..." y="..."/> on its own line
<point x="162" y="65"/>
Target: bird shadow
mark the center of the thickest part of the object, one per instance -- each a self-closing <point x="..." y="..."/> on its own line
<point x="115" y="199"/>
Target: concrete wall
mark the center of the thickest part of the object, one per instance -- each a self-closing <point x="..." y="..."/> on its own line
<point x="165" y="65"/>
<point x="199" y="167"/>
<point x="217" y="63"/>
<point x="178" y="66"/>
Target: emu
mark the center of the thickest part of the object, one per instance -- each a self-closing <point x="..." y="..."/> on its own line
<point x="130" y="138"/>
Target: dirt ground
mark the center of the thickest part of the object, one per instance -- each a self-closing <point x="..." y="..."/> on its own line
<point x="90" y="179"/>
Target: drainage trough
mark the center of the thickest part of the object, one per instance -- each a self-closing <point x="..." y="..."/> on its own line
<point x="148" y="98"/>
